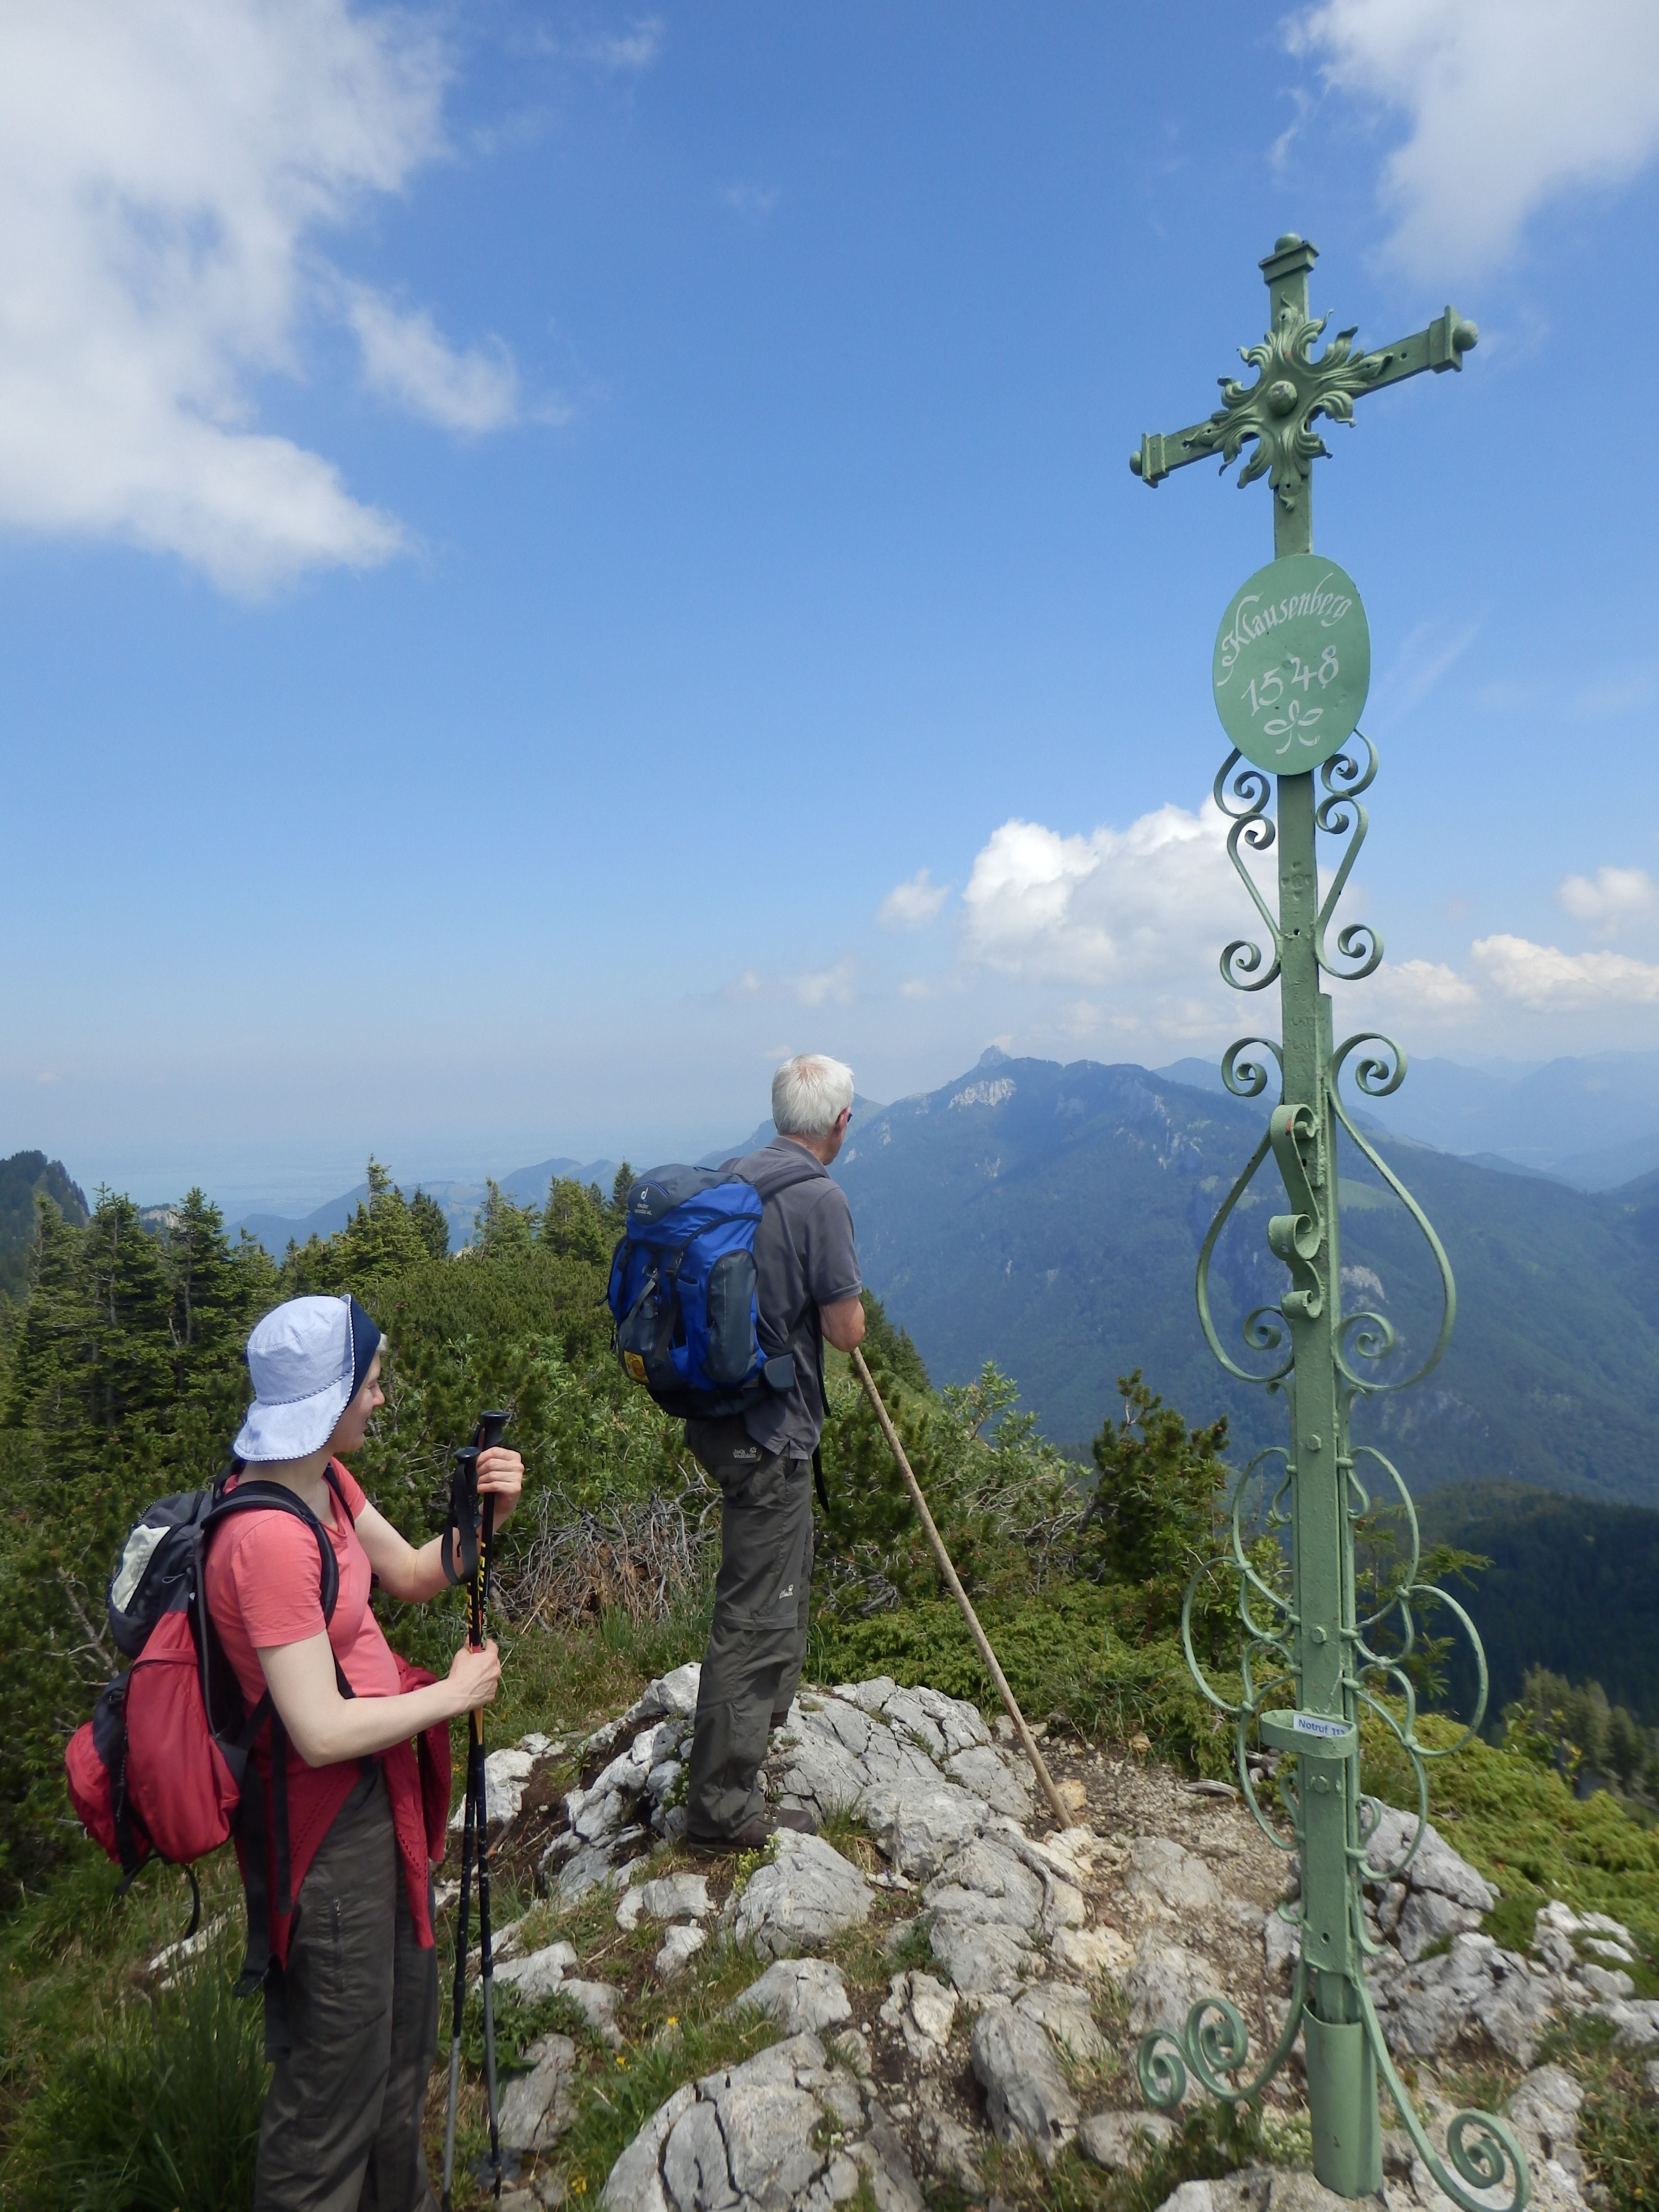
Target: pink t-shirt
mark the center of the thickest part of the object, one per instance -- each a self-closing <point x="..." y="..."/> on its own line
<point x="264" y="1586"/>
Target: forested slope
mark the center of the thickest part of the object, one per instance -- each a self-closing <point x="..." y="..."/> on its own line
<point x="1050" y="1218"/>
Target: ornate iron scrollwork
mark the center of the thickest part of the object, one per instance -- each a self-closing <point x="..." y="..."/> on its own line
<point x="1213" y="2046"/>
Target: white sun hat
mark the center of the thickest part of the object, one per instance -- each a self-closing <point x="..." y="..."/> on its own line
<point x="300" y="1357"/>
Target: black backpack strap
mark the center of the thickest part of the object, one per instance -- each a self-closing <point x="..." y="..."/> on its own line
<point x="333" y="1482"/>
<point x="817" y="1477"/>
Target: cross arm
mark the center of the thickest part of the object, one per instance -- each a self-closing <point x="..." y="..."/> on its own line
<point x="1276" y="405"/>
<point x="1157" y="454"/>
<point x="1442" y="346"/>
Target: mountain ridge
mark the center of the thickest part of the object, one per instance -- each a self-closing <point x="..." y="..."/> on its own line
<point x="1051" y="1216"/>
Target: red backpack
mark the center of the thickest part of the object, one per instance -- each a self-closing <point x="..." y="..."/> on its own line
<point x="163" y="1768"/>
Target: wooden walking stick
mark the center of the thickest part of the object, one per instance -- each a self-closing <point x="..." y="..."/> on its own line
<point x="982" y="1642"/>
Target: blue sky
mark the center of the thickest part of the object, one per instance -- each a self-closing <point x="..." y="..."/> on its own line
<point x="525" y="530"/>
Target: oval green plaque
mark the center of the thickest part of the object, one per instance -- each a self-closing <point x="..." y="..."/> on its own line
<point x="1292" y="664"/>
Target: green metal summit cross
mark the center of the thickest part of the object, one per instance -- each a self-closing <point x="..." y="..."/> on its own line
<point x="1292" y="660"/>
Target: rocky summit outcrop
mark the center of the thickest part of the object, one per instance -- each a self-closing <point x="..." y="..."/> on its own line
<point x="944" y="1970"/>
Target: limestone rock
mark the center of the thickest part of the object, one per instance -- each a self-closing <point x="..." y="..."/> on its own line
<point x="537" y="2107"/>
<point x="1115" y="2139"/>
<point x="1093" y="1950"/>
<point x="1026" y="2095"/>
<point x="1268" y="2189"/>
<point x="808" y="1893"/>
<point x="538" y="1976"/>
<point x="634" y="2183"/>
<point x="1635" y="2020"/>
<point x="1436" y="1866"/>
<point x="982" y="1769"/>
<point x="693" y="2164"/>
<point x="984" y="1880"/>
<point x="1063" y="1906"/>
<point x="799" y="1994"/>
<point x="1544" y="2113"/>
<point x="747" y="2136"/>
<point x="593" y="1863"/>
<point x="982" y="1961"/>
<point x="1600" y="1983"/>
<point x="672" y="1693"/>
<point x="1425" y="2008"/>
<point x="918" y="1824"/>
<point x="680" y="1946"/>
<point x="505" y="1774"/>
<point x="669" y="1897"/>
<point x="1281" y="1942"/>
<point x="1429" y="1917"/>
<point x="1065" y="2011"/>
<point x="1161" y="1873"/>
<point x="883" y="2157"/>
<point x="923" y="2011"/>
<point x="1163" y="1984"/>
<point x="599" y="2000"/>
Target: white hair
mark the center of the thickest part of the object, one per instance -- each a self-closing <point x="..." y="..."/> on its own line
<point x="809" y="1094"/>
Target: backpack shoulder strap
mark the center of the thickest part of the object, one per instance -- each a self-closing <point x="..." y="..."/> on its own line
<point x="338" y="1488"/>
<point x="255" y="1497"/>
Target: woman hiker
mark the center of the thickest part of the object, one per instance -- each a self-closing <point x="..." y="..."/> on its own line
<point x="351" y="1997"/>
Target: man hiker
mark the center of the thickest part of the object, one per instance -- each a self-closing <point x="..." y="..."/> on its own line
<point x="806" y="1290"/>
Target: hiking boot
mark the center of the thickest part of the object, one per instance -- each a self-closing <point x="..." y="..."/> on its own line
<point x="756" y="1832"/>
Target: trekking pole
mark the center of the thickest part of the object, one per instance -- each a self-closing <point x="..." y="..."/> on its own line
<point x="982" y="1642"/>
<point x="490" y="1426"/>
<point x="474" y="1830"/>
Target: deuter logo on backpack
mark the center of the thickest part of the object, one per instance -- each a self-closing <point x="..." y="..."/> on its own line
<point x="682" y="1294"/>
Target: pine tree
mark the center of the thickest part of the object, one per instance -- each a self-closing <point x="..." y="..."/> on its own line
<point x="1155" y="1517"/>
<point x="383" y="1238"/>
<point x="53" y="1318"/>
<point x="431" y="1224"/>
<point x="501" y="1226"/>
<point x="576" y="1222"/>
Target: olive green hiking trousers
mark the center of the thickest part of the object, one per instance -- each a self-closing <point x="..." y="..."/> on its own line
<point x="352" y="2025"/>
<point x="757" y="1644"/>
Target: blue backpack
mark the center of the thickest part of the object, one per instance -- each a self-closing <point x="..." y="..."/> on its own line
<point x="682" y="1294"/>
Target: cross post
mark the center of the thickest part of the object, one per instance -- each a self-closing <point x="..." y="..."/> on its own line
<point x="1315" y="1644"/>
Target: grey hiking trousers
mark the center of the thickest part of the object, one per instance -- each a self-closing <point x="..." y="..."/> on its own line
<point x="757" y="1644"/>
<point x="352" y="2026"/>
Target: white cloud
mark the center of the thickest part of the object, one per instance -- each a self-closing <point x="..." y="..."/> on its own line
<point x="821" y="987"/>
<point x="629" y="50"/>
<point x="405" y="357"/>
<point x="1424" y="658"/>
<point x="914" y="903"/>
<point x="166" y="169"/>
<point x="1156" y="900"/>
<point x="1613" y="897"/>
<point x="756" y="202"/>
<point x="1419" y="990"/>
<point x="1543" y="977"/>
<point x="1510" y="102"/>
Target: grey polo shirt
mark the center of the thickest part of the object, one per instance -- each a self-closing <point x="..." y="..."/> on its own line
<point x="805" y="1258"/>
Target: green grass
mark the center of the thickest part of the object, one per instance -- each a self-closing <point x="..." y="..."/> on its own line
<point x="1075" y="1650"/>
<point x="1618" y="2120"/>
<point x="1212" y="2140"/>
<point x="1523" y="1829"/>
<point x="155" y="2108"/>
